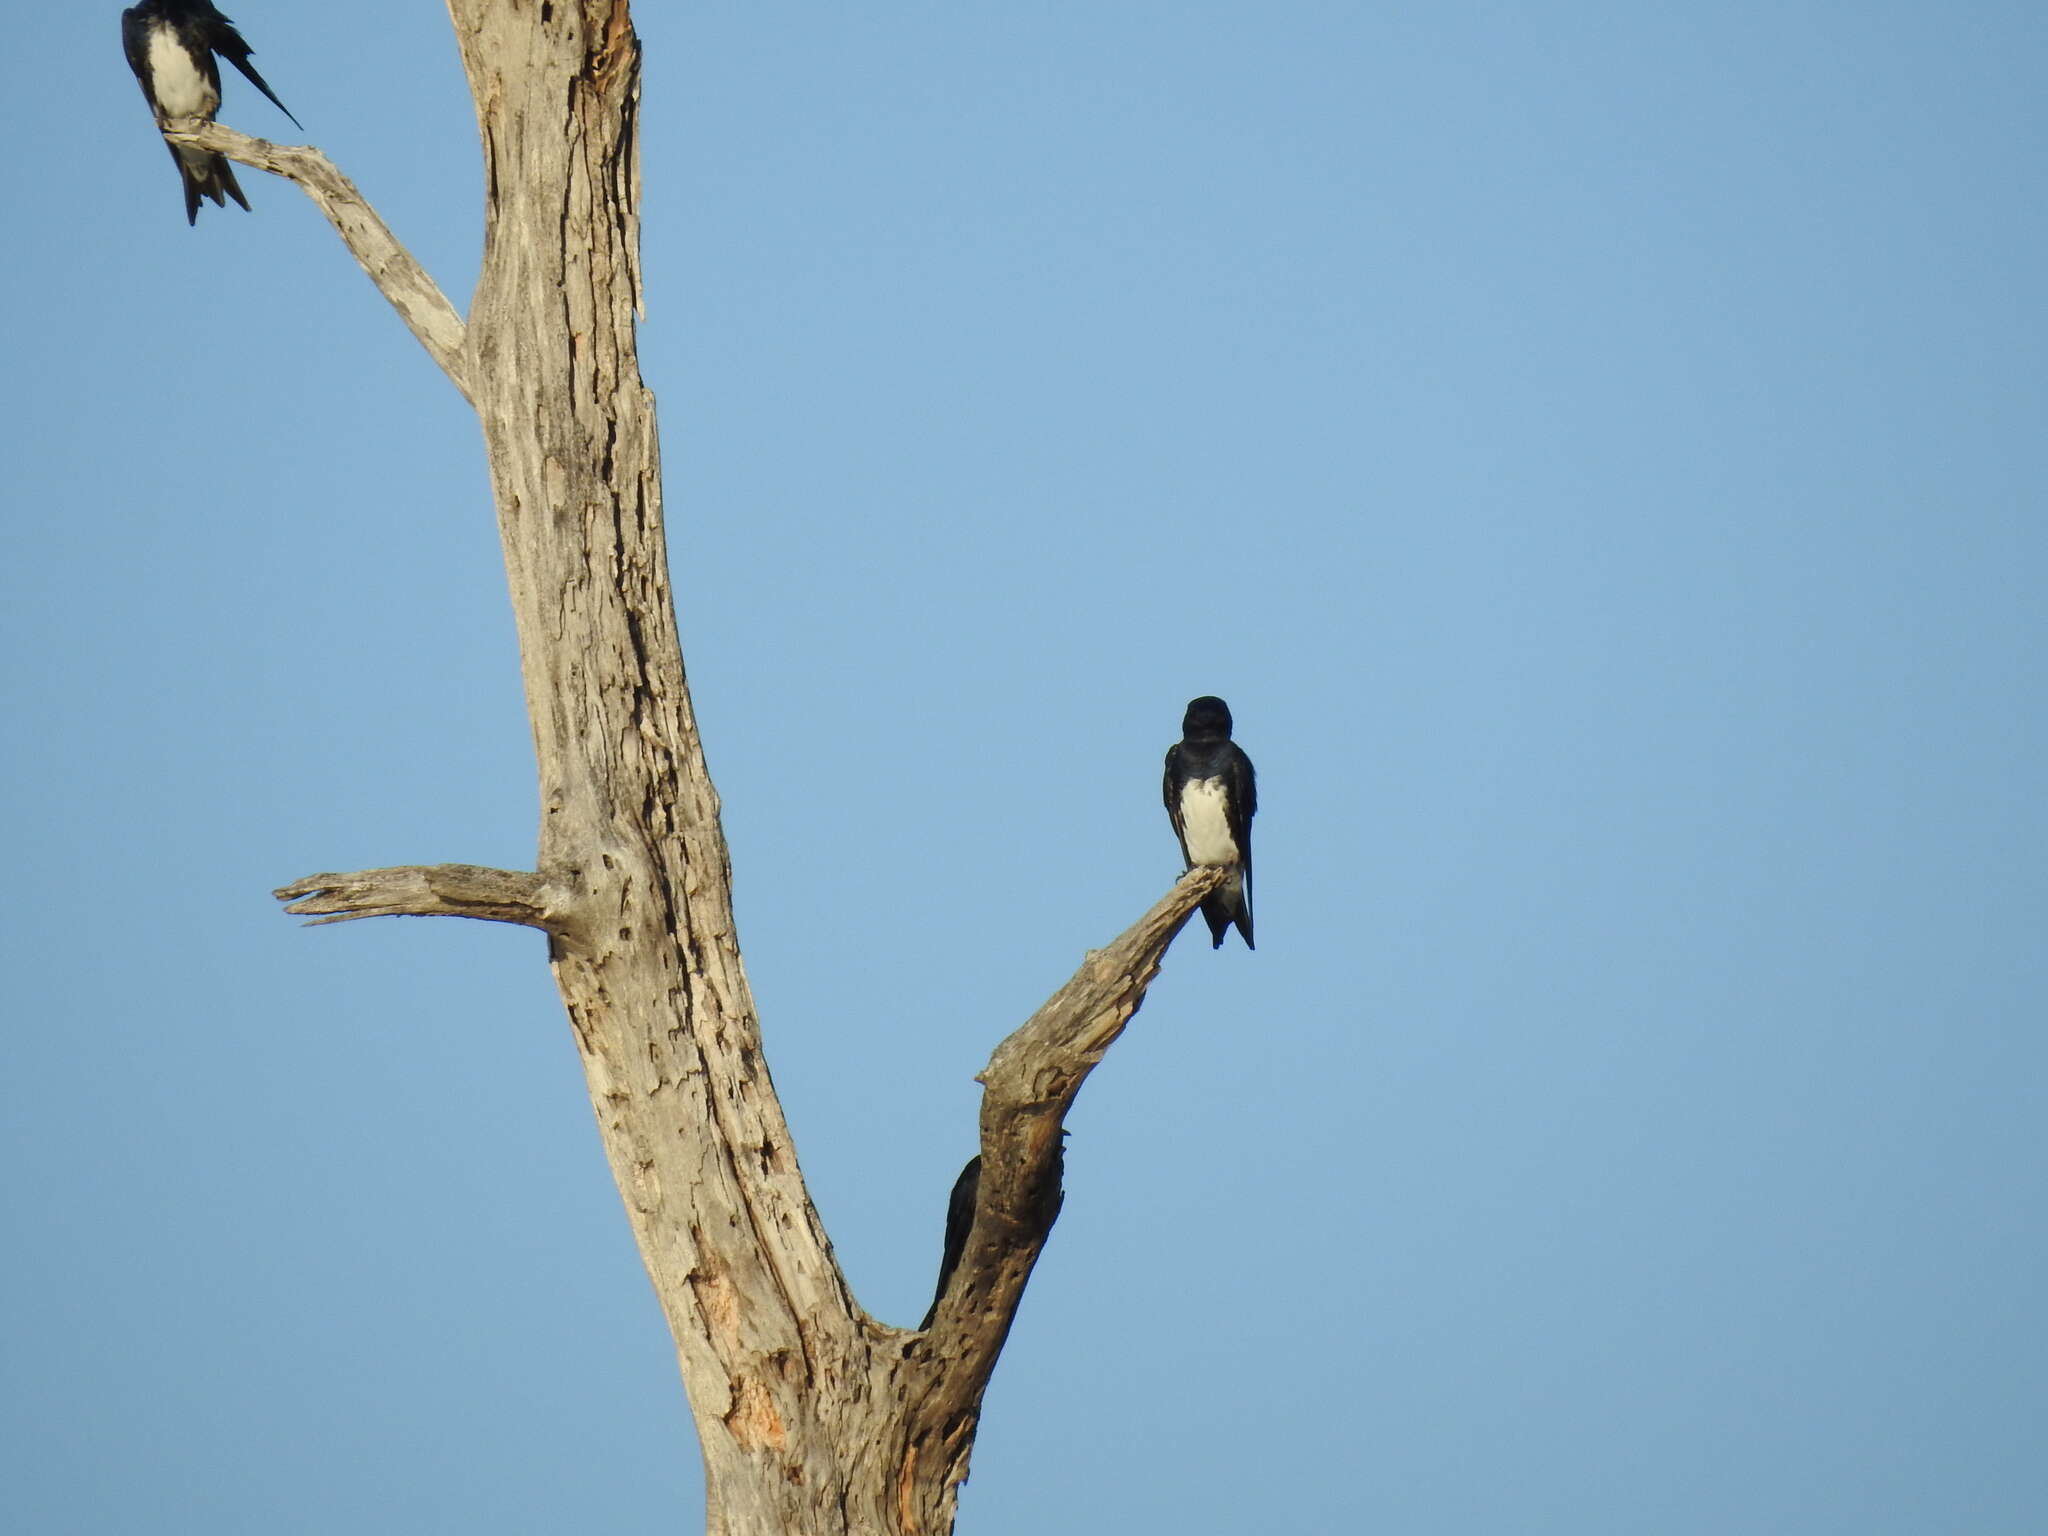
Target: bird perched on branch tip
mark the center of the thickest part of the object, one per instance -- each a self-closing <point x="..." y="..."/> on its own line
<point x="1212" y="795"/>
<point x="172" y="47"/>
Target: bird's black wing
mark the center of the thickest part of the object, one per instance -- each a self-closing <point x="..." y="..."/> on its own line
<point x="1243" y="804"/>
<point x="227" y="42"/>
<point x="1241" y="800"/>
<point x="135" y="44"/>
<point x="1170" y="792"/>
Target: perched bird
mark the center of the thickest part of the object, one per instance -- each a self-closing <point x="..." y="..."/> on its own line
<point x="959" y="1222"/>
<point x="171" y="46"/>
<point x="1211" y="794"/>
<point x="1039" y="1195"/>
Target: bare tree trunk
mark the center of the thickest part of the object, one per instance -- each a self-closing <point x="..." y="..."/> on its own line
<point x="813" y="1416"/>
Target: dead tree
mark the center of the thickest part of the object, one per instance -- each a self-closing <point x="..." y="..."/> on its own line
<point x="814" y="1417"/>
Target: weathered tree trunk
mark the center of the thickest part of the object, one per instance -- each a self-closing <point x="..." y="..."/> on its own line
<point x="813" y="1417"/>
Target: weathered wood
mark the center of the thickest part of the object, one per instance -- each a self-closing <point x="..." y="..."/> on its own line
<point x="644" y="948"/>
<point x="420" y="890"/>
<point x="813" y="1417"/>
<point x="1027" y="1088"/>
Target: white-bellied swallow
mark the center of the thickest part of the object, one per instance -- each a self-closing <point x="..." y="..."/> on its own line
<point x="1212" y="795"/>
<point x="171" y="46"/>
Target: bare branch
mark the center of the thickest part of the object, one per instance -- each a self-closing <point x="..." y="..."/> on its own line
<point x="1033" y="1076"/>
<point x="1028" y="1086"/>
<point x="420" y="890"/>
<point x="402" y="280"/>
<point x="1040" y="1067"/>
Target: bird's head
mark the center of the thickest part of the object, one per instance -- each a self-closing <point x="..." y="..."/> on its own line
<point x="1207" y="717"/>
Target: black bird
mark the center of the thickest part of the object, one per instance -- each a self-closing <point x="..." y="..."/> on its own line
<point x="959" y="1222"/>
<point x="1212" y="795"/>
<point x="171" y="46"/>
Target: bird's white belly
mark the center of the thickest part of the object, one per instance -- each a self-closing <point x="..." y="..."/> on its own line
<point x="182" y="90"/>
<point x="1204" y="826"/>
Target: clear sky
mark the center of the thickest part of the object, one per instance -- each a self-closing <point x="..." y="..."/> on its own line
<point x="1598" y="451"/>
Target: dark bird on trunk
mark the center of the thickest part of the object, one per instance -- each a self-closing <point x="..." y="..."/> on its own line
<point x="172" y="47"/>
<point x="1212" y="795"/>
<point x="959" y="1222"/>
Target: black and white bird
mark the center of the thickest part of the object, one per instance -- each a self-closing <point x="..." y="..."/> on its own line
<point x="171" y="46"/>
<point x="1212" y="795"/>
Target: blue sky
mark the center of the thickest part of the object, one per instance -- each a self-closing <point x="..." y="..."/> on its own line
<point x="1596" y="449"/>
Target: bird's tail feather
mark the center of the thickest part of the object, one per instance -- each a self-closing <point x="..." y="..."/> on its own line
<point x="1230" y="905"/>
<point x="1221" y="914"/>
<point x="209" y="176"/>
